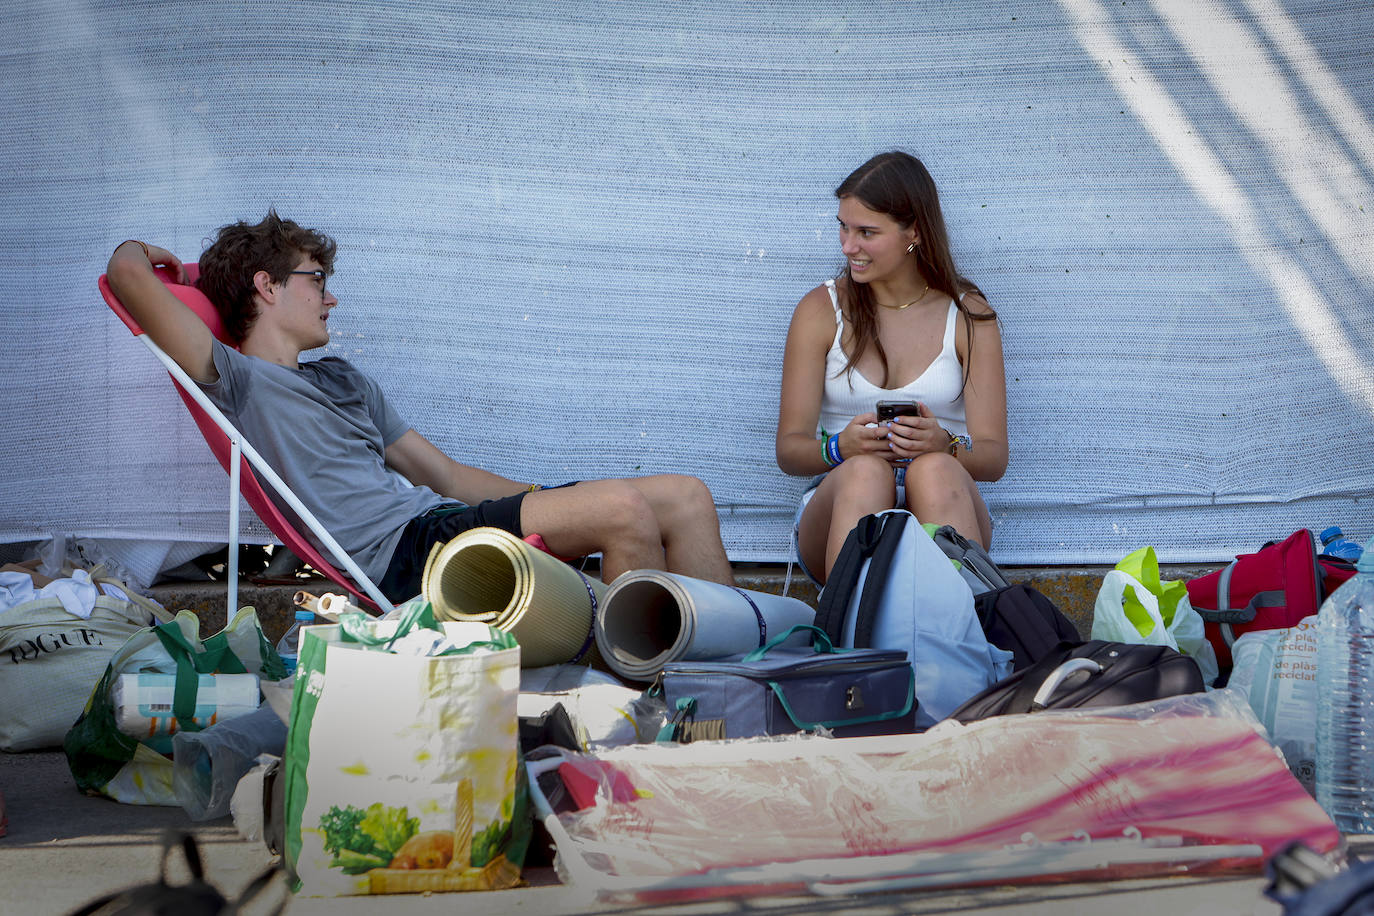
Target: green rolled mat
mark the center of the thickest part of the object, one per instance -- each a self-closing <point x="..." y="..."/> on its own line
<point x="492" y="576"/>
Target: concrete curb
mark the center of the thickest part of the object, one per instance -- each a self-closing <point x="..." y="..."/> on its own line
<point x="1072" y="588"/>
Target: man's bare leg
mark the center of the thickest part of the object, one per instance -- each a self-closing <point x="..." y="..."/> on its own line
<point x="686" y="516"/>
<point x="665" y="522"/>
<point x="597" y="516"/>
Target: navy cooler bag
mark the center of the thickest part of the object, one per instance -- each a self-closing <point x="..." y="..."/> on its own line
<point x="779" y="690"/>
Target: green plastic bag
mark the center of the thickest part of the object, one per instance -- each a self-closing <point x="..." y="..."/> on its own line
<point x="402" y="770"/>
<point x="1135" y="606"/>
<point x="104" y="760"/>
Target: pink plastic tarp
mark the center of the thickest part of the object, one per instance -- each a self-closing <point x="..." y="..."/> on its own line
<point x="1184" y="773"/>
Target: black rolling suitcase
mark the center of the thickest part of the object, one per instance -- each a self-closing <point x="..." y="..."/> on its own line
<point x="1088" y="674"/>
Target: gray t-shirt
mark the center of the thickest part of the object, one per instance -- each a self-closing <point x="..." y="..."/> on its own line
<point x="324" y="428"/>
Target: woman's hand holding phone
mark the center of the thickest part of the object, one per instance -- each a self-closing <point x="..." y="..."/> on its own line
<point x="908" y="429"/>
<point x="864" y="435"/>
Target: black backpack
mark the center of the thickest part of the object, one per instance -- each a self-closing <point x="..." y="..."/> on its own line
<point x="1024" y="622"/>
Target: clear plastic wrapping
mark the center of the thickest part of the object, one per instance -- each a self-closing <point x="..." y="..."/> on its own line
<point x="1188" y="782"/>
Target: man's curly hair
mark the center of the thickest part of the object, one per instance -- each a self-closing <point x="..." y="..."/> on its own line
<point x="239" y="251"/>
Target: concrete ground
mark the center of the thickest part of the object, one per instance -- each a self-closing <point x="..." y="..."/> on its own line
<point x="64" y="849"/>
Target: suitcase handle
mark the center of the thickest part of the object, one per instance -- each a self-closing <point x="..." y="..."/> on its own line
<point x="1058" y="676"/>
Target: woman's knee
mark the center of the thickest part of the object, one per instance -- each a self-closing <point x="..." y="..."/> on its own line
<point x="936" y="471"/>
<point x="858" y="487"/>
<point x="864" y="472"/>
<point x="938" y="481"/>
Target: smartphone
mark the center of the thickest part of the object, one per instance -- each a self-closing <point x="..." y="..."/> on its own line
<point x="891" y="410"/>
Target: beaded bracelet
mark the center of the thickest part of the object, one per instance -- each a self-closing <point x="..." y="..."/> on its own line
<point x="955" y="441"/>
<point x="534" y="487"/>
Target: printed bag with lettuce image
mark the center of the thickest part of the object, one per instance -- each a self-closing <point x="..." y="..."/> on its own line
<point x="402" y="761"/>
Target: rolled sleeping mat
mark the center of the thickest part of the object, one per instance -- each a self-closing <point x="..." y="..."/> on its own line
<point x="650" y="618"/>
<point x="490" y="575"/>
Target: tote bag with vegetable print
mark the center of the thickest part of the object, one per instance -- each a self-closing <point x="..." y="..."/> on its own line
<point x="402" y="770"/>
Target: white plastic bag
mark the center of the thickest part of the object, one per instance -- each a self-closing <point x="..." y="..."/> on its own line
<point x="1181" y="630"/>
<point x="1276" y="671"/>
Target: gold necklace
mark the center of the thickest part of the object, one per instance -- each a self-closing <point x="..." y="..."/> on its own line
<point x="905" y="305"/>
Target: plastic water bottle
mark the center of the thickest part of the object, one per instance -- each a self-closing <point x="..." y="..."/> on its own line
<point x="1335" y="544"/>
<point x="289" y="646"/>
<point x="1345" y="701"/>
<point x="207" y="765"/>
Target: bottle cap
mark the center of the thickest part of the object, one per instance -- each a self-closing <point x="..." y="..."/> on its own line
<point x="1328" y="533"/>
<point x="305" y="616"/>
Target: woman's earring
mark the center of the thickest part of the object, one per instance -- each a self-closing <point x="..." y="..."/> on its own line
<point x="911" y="248"/>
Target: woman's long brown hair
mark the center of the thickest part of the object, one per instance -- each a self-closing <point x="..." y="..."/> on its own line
<point x="898" y="185"/>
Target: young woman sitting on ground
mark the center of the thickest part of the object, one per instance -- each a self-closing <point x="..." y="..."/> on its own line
<point x="898" y="324"/>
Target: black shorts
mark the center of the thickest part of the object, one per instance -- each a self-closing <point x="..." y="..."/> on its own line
<point x="439" y="526"/>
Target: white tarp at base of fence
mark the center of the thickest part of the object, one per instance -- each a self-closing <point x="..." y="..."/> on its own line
<point x="572" y="235"/>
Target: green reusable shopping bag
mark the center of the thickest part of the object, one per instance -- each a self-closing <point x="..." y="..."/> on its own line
<point x="402" y="770"/>
<point x="104" y="760"/>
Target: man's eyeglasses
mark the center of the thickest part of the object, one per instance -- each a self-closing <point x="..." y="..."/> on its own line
<point x="317" y="274"/>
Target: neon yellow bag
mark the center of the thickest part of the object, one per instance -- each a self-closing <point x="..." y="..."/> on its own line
<point x="1135" y="606"/>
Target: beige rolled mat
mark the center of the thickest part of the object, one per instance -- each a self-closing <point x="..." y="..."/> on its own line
<point x="490" y="575"/>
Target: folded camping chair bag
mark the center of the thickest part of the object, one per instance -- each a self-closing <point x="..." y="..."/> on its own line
<point x="1273" y="588"/>
<point x="1095" y="673"/>
<point x="973" y="562"/>
<point x="783" y="690"/>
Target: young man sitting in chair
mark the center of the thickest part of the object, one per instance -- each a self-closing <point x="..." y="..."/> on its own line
<point x="327" y="429"/>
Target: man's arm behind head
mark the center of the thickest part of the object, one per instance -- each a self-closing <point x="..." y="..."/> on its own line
<point x="172" y="326"/>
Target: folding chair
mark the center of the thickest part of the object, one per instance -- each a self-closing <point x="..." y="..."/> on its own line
<point x="237" y="456"/>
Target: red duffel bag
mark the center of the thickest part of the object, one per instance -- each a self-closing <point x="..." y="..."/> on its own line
<point x="1335" y="572"/>
<point x="1273" y="588"/>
